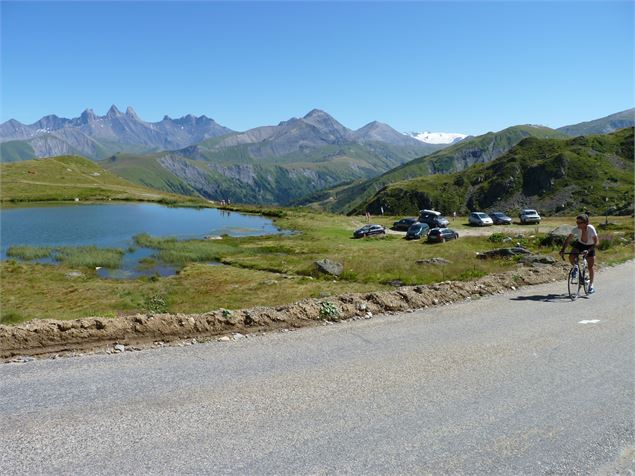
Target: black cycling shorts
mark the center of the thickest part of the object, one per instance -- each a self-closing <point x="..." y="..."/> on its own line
<point x="580" y="247"/>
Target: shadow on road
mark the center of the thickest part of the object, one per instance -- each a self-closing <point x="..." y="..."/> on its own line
<point x="546" y="298"/>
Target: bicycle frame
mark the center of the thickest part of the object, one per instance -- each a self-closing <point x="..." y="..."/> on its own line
<point x="581" y="281"/>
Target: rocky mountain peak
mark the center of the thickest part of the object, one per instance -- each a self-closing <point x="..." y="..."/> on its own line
<point x="131" y="113"/>
<point x="325" y="122"/>
<point x="113" y="112"/>
<point x="316" y="114"/>
<point x="88" y="116"/>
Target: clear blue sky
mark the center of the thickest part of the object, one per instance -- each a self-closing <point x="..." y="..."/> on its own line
<point x="451" y="66"/>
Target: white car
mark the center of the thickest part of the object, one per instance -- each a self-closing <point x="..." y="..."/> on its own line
<point x="529" y="215"/>
<point x="479" y="219"/>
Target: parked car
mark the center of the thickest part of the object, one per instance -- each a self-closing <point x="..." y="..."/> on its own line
<point x="439" y="235"/>
<point x="369" y="230"/>
<point x="499" y="218"/>
<point x="417" y="231"/>
<point x="479" y="219"/>
<point x="529" y="215"/>
<point x="404" y="224"/>
<point x="433" y="218"/>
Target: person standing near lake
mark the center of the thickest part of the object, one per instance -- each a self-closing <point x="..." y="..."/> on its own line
<point x="586" y="239"/>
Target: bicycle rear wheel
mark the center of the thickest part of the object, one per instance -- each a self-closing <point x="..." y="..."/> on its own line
<point x="584" y="280"/>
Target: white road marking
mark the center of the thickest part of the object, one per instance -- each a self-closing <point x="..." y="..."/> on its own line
<point x="592" y="321"/>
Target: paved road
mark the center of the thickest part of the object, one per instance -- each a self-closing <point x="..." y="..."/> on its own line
<point x="509" y="384"/>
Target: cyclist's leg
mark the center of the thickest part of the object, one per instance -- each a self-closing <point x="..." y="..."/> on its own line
<point x="572" y="256"/>
<point x="590" y="262"/>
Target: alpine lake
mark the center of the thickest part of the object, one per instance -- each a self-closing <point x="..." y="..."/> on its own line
<point x="114" y="226"/>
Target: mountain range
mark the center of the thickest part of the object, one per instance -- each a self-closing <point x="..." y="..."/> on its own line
<point x="274" y="164"/>
<point x="98" y="137"/>
<point x="312" y="159"/>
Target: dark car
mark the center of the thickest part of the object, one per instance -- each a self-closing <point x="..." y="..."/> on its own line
<point x="404" y="224"/>
<point x="369" y="230"/>
<point x="499" y="218"/>
<point x="433" y="218"/>
<point x="417" y="230"/>
<point x="439" y="235"/>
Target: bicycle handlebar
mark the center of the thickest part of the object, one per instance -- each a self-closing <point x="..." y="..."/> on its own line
<point x="583" y="253"/>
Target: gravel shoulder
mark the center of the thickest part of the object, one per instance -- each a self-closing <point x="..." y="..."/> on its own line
<point x="45" y="338"/>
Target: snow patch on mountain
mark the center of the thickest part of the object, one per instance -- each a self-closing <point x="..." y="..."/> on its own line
<point x="437" y="137"/>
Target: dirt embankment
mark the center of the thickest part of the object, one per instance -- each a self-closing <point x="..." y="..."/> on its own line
<point x="49" y="337"/>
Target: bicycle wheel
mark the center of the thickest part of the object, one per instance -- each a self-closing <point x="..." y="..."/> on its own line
<point x="584" y="280"/>
<point x="573" y="285"/>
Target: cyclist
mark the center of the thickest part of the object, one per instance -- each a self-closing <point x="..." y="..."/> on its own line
<point x="586" y="239"/>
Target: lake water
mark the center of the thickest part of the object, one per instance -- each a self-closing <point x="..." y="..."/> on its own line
<point x="114" y="225"/>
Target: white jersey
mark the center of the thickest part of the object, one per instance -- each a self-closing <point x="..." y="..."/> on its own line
<point x="590" y="234"/>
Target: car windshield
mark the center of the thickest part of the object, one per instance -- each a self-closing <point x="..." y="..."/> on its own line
<point x="481" y="215"/>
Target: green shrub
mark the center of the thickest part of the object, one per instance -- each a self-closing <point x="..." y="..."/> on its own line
<point x="328" y="310"/>
<point x="155" y="304"/>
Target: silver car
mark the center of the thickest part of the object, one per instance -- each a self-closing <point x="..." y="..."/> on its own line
<point x="479" y="219"/>
<point x="528" y="216"/>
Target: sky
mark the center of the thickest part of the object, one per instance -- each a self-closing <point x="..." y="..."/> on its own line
<point x="466" y="67"/>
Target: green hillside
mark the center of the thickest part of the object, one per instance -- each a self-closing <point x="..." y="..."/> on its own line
<point x="67" y="178"/>
<point x="239" y="177"/>
<point x="15" y="151"/>
<point x="555" y="176"/>
<point x="457" y="157"/>
<point x="603" y="125"/>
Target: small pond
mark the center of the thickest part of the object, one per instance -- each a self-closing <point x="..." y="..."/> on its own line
<point x="115" y="225"/>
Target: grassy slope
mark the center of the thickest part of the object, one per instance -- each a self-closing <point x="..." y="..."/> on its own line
<point x="270" y="270"/>
<point x="146" y="171"/>
<point x="69" y="177"/>
<point x="556" y="176"/>
<point x="269" y="183"/>
<point x="351" y="197"/>
<point x="15" y="151"/>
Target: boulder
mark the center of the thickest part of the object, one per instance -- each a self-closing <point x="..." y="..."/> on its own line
<point x="504" y="252"/>
<point x="327" y="266"/>
<point x="433" y="261"/>
<point x="532" y="259"/>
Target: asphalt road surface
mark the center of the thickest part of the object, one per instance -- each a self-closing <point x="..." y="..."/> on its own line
<point x="521" y="383"/>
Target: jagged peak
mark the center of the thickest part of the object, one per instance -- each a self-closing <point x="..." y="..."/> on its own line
<point x="130" y="112"/>
<point x="88" y="115"/>
<point x="113" y="111"/>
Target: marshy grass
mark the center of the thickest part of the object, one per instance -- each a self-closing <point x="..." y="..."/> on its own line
<point x="29" y="253"/>
<point x="179" y="253"/>
<point x="89" y="256"/>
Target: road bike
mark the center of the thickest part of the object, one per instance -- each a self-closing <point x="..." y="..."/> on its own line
<point x="578" y="277"/>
